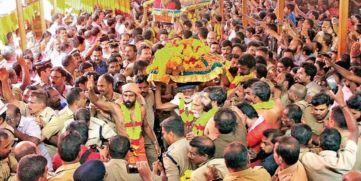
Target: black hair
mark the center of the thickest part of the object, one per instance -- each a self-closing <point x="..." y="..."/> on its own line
<point x="236" y="156"/>
<point x="81" y="127"/>
<point x="173" y="124"/>
<point x="310" y="69"/>
<point x="69" y="146"/>
<point x="321" y="98"/>
<point x="294" y="113"/>
<point x="288" y="149"/>
<point x="73" y="95"/>
<point x="248" y="83"/>
<point x="338" y="117"/>
<point x="261" y="60"/>
<point x="118" y="146"/>
<point x="225" y="120"/>
<point x="273" y="134"/>
<point x="287" y="62"/>
<point x="261" y="71"/>
<point x="330" y="139"/>
<point x="31" y="167"/>
<point x="217" y="93"/>
<point x="247" y="60"/>
<point x="204" y="145"/>
<point x="354" y="102"/>
<point x="248" y="110"/>
<point x="302" y="132"/>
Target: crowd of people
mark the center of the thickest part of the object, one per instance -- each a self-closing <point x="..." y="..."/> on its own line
<point x="77" y="103"/>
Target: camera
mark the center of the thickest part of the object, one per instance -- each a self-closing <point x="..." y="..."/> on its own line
<point x="132" y="168"/>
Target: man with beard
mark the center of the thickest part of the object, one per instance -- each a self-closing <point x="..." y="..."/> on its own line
<point x="7" y="161"/>
<point x="76" y="99"/>
<point x="113" y="65"/>
<point x="58" y="80"/>
<point x="98" y="62"/>
<point x="130" y="56"/>
<point x="148" y="95"/>
<point x="259" y="95"/>
<point x="265" y="156"/>
<point x="297" y="94"/>
<point x="304" y="76"/>
<point x="130" y="117"/>
<point x="318" y="112"/>
<point x="55" y="101"/>
<point x="246" y="70"/>
<point x="105" y="88"/>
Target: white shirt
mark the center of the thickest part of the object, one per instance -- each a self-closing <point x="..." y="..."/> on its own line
<point x="29" y="127"/>
<point x="175" y="101"/>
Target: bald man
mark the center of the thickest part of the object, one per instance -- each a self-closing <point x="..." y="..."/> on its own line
<point x="297" y="94"/>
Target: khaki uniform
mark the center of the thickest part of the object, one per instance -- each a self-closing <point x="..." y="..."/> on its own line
<point x="224" y="139"/>
<point x="56" y="124"/>
<point x="330" y="165"/>
<point x="295" y="172"/>
<point x="218" y="163"/>
<point x="175" y="160"/>
<point x="97" y="128"/>
<point x="149" y="146"/>
<point x="309" y="119"/>
<point x="250" y="174"/>
<point x="116" y="169"/>
<point x="65" y="172"/>
<point x="106" y="116"/>
<point x="47" y="114"/>
<point x="7" y="166"/>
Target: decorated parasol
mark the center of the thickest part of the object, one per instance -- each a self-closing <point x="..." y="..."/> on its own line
<point x="182" y="61"/>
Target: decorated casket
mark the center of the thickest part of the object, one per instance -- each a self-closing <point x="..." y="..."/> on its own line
<point x="182" y="61"/>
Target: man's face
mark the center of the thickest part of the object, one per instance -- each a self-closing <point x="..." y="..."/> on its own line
<point x="211" y="37"/>
<point x="97" y="56"/>
<point x="226" y="50"/>
<point x="252" y="50"/>
<point x="276" y="156"/>
<point x="237" y="51"/>
<point x="285" y="120"/>
<point x="163" y="37"/>
<point x="188" y="93"/>
<point x="262" y="54"/>
<point x="166" y="136"/>
<point x="129" y="53"/>
<point x="194" y="157"/>
<point x="5" y="147"/>
<point x="267" y="145"/>
<point x="62" y="34"/>
<point x="144" y="88"/>
<point x="26" y="95"/>
<point x="56" y="79"/>
<point x="214" y="48"/>
<point x="124" y="40"/>
<point x="301" y="76"/>
<point x="280" y="68"/>
<point x="146" y="54"/>
<point x="129" y="99"/>
<point x="103" y="86"/>
<point x="243" y="69"/>
<point x="248" y="95"/>
<point x="114" y="68"/>
<point x="320" y="111"/>
<point x="35" y="106"/>
<point x="54" y="99"/>
<point x="77" y="58"/>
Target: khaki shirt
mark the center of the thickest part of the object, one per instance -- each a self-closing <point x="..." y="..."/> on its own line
<point x="295" y="172"/>
<point x="312" y="89"/>
<point x="106" y="116"/>
<point x="218" y="163"/>
<point x="309" y="119"/>
<point x="65" y="172"/>
<point x="250" y="174"/>
<point x="116" y="169"/>
<point x="7" y="166"/>
<point x="47" y="114"/>
<point x="94" y="131"/>
<point x="178" y="151"/>
<point x="56" y="124"/>
<point x="149" y="107"/>
<point x="224" y="139"/>
<point x="330" y="165"/>
<point x="344" y="138"/>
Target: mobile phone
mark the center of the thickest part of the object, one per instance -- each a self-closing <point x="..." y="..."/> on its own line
<point x="331" y="82"/>
<point x="132" y="168"/>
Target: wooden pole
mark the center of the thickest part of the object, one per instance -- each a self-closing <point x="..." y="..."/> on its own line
<point x="280" y="14"/>
<point x="42" y="16"/>
<point x="221" y="4"/>
<point x="245" y="13"/>
<point x="21" y="23"/>
<point x="342" y="27"/>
